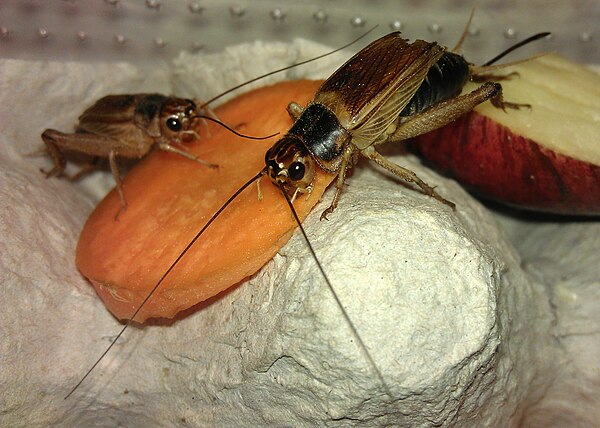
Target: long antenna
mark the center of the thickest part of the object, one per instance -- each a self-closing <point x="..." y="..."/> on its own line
<point x="167" y="272"/>
<point x="222" y="94"/>
<point x="217" y="121"/>
<point x="463" y="36"/>
<point x="359" y="340"/>
<point x="516" y="46"/>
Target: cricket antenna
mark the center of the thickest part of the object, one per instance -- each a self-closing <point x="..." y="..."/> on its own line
<point x="222" y="94"/>
<point x="359" y="340"/>
<point x="167" y="272"/>
<point x="217" y="121"/>
<point x="516" y="46"/>
<point x="463" y="36"/>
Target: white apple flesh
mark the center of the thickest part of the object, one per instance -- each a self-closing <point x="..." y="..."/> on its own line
<point x="545" y="158"/>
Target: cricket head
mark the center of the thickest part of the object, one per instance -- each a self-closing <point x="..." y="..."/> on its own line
<point x="177" y="117"/>
<point x="290" y="164"/>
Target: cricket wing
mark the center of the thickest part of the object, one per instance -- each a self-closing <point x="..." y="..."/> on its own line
<point x="368" y="92"/>
<point x="111" y="116"/>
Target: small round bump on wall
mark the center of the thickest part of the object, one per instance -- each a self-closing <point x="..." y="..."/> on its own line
<point x="510" y="33"/>
<point x="153" y="4"/>
<point x="396" y="25"/>
<point x="237" y="11"/>
<point x="434" y="28"/>
<point x="358" y="21"/>
<point x="320" y="16"/>
<point x="473" y="31"/>
<point x="277" y="15"/>
<point x="43" y="33"/>
<point x="194" y="7"/>
<point x="585" y="37"/>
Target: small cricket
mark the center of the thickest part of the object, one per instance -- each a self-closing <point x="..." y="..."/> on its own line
<point x="127" y="126"/>
<point x="390" y="91"/>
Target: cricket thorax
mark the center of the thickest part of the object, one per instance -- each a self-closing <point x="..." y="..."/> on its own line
<point x="322" y="134"/>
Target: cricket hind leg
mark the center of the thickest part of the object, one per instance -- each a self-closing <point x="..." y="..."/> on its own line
<point x="51" y="137"/>
<point x="444" y="112"/>
<point x="498" y="101"/>
<point x="90" y="144"/>
<point x="429" y="120"/>
<point x="405" y="174"/>
<point x="90" y="166"/>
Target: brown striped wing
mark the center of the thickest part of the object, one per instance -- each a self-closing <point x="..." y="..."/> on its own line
<point x="370" y="90"/>
<point x="111" y="116"/>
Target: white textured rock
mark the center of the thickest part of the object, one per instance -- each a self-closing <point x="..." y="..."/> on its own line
<point x="564" y="257"/>
<point x="458" y="331"/>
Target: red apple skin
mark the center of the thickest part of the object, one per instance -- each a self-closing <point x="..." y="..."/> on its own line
<point x="494" y="162"/>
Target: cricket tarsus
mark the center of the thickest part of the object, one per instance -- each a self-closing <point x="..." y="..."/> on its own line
<point x="262" y="76"/>
<point x="359" y="340"/>
<point x="164" y="275"/>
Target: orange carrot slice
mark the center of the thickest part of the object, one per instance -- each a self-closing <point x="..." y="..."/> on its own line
<point x="171" y="198"/>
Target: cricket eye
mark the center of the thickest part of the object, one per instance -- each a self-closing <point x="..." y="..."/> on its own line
<point x="174" y="124"/>
<point x="296" y="171"/>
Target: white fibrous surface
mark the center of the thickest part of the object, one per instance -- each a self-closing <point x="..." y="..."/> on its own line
<point x="467" y="321"/>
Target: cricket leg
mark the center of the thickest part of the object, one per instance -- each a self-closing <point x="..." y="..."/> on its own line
<point x="51" y="138"/>
<point x="445" y="112"/>
<point x="404" y="174"/>
<point x="341" y="178"/>
<point x="85" y="169"/>
<point x="294" y="110"/>
<point x="168" y="148"/>
<point x="114" y="168"/>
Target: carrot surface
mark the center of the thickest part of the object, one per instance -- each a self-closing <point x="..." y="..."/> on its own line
<point x="171" y="198"/>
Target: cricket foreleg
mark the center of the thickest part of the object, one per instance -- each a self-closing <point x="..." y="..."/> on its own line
<point x="445" y="112"/>
<point x="114" y="168"/>
<point x="168" y="148"/>
<point x="294" y="110"/>
<point x="404" y="174"/>
<point x="341" y="178"/>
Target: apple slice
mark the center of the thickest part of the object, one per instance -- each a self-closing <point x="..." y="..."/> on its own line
<point x="545" y="158"/>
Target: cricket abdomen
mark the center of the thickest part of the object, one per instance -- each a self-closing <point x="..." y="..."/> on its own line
<point x="445" y="80"/>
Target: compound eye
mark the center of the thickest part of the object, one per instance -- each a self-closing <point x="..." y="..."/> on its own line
<point x="174" y="124"/>
<point x="296" y="171"/>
